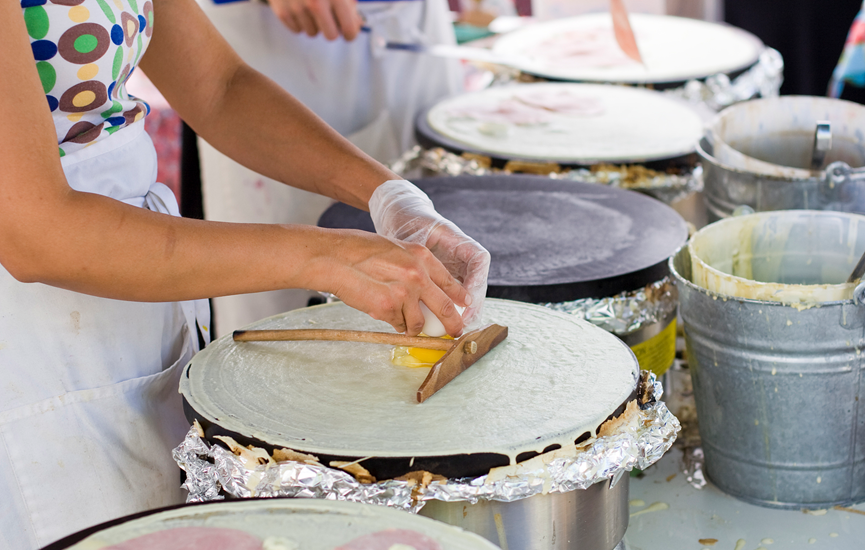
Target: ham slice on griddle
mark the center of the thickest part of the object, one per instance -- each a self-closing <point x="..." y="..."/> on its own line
<point x="402" y="539"/>
<point x="192" y="538"/>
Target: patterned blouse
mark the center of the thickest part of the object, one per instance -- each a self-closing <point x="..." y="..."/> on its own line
<point x="85" y="51"/>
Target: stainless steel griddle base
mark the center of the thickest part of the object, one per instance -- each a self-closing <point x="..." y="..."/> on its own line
<point x="592" y="519"/>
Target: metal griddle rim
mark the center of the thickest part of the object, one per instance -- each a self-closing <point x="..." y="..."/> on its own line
<point x="450" y="466"/>
<point x="342" y="216"/>
<point x="428" y="138"/>
<point x="77" y="537"/>
<point x="678" y="82"/>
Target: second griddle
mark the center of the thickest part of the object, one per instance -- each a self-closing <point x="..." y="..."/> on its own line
<point x="551" y="241"/>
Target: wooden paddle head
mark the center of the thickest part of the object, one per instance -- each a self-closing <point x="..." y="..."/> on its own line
<point x="467" y="350"/>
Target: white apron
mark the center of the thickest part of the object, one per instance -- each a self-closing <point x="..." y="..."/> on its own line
<point x="89" y="408"/>
<point x="372" y="99"/>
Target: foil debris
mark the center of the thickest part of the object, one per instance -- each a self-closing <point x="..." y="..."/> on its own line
<point x="692" y="466"/>
<point x="212" y="470"/>
<point x="626" y="312"/>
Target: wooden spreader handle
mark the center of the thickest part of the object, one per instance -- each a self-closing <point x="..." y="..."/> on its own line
<point x="324" y="334"/>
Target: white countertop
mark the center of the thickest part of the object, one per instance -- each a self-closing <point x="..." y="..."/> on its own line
<point x="708" y="513"/>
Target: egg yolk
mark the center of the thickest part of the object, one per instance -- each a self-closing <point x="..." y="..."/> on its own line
<point x="417" y="357"/>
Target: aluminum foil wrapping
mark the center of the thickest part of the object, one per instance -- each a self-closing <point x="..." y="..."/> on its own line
<point x="626" y="312"/>
<point x="212" y="470"/>
<point x="666" y="187"/>
<point x="437" y="161"/>
<point x="763" y="79"/>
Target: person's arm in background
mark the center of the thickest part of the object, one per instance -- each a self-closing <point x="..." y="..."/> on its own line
<point x="251" y="119"/>
<point x="89" y="243"/>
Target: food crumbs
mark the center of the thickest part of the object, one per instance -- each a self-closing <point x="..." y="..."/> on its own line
<point x="637" y="502"/>
<point x="812" y="540"/>
<point x="816" y="512"/>
<point x="774" y="371"/>
<point x="767" y="542"/>
<point x="670" y="477"/>
<point x="833" y="535"/>
<point x="756" y="422"/>
<point x="740" y="544"/>
<point x="820" y="479"/>
<point x="789" y="323"/>
<point x="708" y="542"/>
<point x="656" y="507"/>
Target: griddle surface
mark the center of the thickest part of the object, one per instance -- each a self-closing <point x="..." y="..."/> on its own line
<point x="551" y="240"/>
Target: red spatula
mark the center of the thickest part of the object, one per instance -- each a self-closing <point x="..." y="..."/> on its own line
<point x="622" y="30"/>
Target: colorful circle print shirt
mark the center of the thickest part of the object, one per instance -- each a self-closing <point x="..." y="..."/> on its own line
<point x="85" y="51"/>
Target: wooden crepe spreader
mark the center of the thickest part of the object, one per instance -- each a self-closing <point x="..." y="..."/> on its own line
<point x="461" y="353"/>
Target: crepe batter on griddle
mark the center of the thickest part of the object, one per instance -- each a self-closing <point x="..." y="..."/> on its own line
<point x="554" y="378"/>
<point x="282" y="524"/>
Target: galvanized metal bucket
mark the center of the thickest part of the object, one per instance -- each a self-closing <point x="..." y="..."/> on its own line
<point x="758" y="154"/>
<point x="777" y="393"/>
<point x="839" y="187"/>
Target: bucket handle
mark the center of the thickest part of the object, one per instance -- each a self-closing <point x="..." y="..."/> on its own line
<point x="839" y="173"/>
<point x="859" y="294"/>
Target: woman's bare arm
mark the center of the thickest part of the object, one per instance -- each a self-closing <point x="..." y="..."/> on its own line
<point x="52" y="234"/>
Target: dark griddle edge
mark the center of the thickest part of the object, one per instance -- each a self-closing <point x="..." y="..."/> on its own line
<point x="428" y="138"/>
<point x="75" y="538"/>
<point x="450" y="466"/>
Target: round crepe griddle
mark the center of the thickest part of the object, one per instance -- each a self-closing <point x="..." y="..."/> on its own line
<point x="429" y="138"/>
<point x="310" y="524"/>
<point x="553" y="381"/>
<point x="568" y="124"/>
<point x="674" y="50"/>
<point x="551" y="241"/>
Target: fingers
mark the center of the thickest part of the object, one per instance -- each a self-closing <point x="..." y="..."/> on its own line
<point x="307" y="23"/>
<point x="477" y="270"/>
<point x="286" y="11"/>
<point x="348" y="20"/>
<point x="412" y="317"/>
<point x="330" y="17"/>
<point x="439" y="291"/>
<point x="322" y="13"/>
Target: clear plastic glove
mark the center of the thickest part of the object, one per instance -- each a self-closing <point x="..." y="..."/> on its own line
<point x="402" y="211"/>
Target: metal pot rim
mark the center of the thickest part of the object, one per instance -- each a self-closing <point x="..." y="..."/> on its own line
<point x="706" y="157"/>
<point x="715" y="295"/>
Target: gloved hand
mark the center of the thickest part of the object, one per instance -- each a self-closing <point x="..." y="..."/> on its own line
<point x="402" y="211"/>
